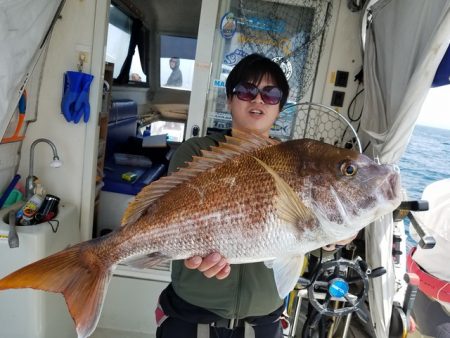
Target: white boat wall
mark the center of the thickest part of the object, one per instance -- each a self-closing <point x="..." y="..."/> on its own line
<point x="40" y="40"/>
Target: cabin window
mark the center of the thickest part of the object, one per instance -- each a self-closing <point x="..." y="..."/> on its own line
<point x="177" y="62"/>
<point x="127" y="48"/>
<point x="173" y="129"/>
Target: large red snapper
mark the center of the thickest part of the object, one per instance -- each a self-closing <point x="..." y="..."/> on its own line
<point x="250" y="199"/>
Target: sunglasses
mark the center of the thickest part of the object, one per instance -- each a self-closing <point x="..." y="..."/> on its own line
<point x="247" y="91"/>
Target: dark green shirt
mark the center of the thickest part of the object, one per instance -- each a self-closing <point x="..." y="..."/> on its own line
<point x="249" y="290"/>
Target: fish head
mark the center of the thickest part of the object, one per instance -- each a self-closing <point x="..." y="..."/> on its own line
<point x="346" y="190"/>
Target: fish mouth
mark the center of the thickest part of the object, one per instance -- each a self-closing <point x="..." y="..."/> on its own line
<point x="391" y="188"/>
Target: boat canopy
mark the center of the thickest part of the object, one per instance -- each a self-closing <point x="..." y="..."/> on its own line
<point x="25" y="26"/>
<point x="405" y="42"/>
<point x="442" y="76"/>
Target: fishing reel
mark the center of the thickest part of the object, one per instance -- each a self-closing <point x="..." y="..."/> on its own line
<point x="338" y="280"/>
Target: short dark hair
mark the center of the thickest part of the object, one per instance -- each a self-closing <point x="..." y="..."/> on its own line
<point x="176" y="59"/>
<point x="253" y="68"/>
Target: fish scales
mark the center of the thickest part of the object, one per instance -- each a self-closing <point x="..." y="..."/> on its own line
<point x="184" y="223"/>
<point x="250" y="199"/>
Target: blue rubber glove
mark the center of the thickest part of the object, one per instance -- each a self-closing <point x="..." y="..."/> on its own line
<point x="82" y="107"/>
<point x="75" y="100"/>
<point x="72" y="81"/>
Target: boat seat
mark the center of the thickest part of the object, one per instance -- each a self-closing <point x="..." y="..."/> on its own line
<point x="122" y="140"/>
<point x="146" y="164"/>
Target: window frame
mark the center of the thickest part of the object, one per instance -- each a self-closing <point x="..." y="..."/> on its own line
<point x="146" y="38"/>
<point x="159" y="56"/>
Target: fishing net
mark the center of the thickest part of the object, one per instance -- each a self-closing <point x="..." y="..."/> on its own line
<point x="322" y="123"/>
<point x="288" y="31"/>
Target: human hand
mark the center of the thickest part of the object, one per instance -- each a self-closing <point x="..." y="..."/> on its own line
<point x="331" y="247"/>
<point x="213" y="265"/>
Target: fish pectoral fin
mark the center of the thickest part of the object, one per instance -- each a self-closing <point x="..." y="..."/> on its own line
<point x="75" y="273"/>
<point x="286" y="272"/>
<point x="147" y="261"/>
<point x="289" y="206"/>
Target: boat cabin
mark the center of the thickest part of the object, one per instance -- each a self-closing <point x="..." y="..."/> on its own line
<point x="152" y="74"/>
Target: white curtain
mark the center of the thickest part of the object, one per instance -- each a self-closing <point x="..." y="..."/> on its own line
<point x="405" y="43"/>
<point x="23" y="26"/>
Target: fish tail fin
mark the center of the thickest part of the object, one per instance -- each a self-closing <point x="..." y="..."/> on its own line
<point x="76" y="273"/>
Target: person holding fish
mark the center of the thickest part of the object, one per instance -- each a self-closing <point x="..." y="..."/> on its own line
<point x="244" y="298"/>
<point x="251" y="200"/>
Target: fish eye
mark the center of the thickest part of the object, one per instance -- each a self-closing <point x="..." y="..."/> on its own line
<point x="348" y="169"/>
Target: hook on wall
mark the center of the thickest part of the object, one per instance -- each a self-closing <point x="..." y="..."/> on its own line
<point x="82" y="57"/>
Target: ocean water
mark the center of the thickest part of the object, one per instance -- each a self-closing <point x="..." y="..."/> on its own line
<point x="426" y="159"/>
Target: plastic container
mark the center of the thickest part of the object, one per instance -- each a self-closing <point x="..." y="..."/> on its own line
<point x="31" y="207"/>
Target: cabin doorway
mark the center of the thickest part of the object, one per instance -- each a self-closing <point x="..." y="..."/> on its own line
<point x="150" y="53"/>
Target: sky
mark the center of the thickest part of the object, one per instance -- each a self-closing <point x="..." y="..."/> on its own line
<point x="436" y="108"/>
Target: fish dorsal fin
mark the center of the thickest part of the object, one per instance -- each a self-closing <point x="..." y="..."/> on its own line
<point x="238" y="144"/>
